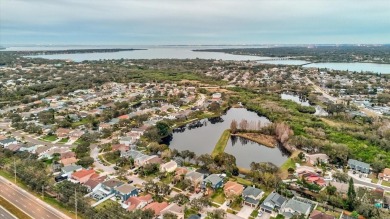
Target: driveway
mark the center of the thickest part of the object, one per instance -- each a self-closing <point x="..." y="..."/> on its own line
<point x="264" y="216"/>
<point x="245" y="211"/>
<point x="136" y="179"/>
<point x="107" y="169"/>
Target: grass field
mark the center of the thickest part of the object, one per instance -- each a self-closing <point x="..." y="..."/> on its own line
<point x="63" y="141"/>
<point x="12" y="209"/>
<point x="218" y="197"/>
<point x="221" y="144"/>
<point x="50" y="138"/>
<point x="288" y="164"/>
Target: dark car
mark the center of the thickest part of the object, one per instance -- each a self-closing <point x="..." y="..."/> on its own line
<point x="60" y="178"/>
<point x="130" y="181"/>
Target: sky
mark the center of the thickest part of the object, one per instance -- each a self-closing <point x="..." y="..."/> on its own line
<point x="194" y="22"/>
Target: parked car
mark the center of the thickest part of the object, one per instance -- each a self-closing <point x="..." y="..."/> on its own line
<point x="130" y="181"/>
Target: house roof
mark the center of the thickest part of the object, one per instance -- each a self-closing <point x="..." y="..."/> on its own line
<point x="112" y="183"/>
<point x="169" y="165"/>
<point x="125" y="188"/>
<point x="83" y="173"/>
<point x="275" y="199"/>
<point x="174" y="208"/>
<point x="386" y="171"/>
<point x="68" y="154"/>
<point x="134" y="201"/>
<point x="298" y="206"/>
<point x="7" y="141"/>
<point x="68" y="161"/>
<point x="359" y="163"/>
<point x="157" y="207"/>
<point x="194" y="175"/>
<point x="252" y="191"/>
<point x="194" y="216"/>
<point x="213" y="179"/>
<point x="71" y="168"/>
<point x="93" y="182"/>
<point x="234" y="187"/>
<point x="320" y="215"/>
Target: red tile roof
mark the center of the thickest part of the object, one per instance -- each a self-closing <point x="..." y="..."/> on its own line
<point x="157" y="207"/>
<point x="83" y="173"/>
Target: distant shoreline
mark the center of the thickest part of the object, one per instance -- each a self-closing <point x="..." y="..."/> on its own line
<point x="67" y="51"/>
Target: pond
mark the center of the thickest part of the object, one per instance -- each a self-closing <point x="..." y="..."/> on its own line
<point x="304" y="102"/>
<point x="201" y="137"/>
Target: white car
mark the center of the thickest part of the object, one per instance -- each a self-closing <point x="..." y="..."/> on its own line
<point x="260" y="214"/>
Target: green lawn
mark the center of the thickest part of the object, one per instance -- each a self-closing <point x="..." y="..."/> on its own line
<point x="218" y="197"/>
<point x="81" y="122"/>
<point x="242" y="181"/>
<point x="63" y="141"/>
<point x="50" y="137"/>
<point x="221" y="144"/>
<point x="385" y="183"/>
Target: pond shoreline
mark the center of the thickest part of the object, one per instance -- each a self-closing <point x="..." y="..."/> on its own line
<point x="266" y="140"/>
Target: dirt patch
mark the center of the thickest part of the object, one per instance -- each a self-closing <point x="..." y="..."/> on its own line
<point x="265" y="140"/>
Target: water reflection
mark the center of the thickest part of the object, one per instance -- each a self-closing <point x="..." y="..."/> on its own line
<point x="201" y="137"/>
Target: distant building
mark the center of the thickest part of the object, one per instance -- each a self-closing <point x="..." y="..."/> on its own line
<point x="359" y="166"/>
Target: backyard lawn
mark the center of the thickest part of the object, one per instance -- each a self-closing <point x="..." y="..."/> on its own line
<point x="218" y="197"/>
<point x="385" y="183"/>
<point x="64" y="140"/>
<point x="50" y="137"/>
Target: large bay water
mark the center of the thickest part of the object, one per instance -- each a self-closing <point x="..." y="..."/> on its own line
<point x="185" y="52"/>
<point x="202" y="140"/>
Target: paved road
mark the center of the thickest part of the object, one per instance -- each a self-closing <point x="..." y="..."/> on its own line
<point x="4" y="214"/>
<point x="95" y="155"/>
<point x="27" y="202"/>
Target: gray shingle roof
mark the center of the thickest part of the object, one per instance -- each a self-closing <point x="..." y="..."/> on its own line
<point x="298" y="206"/>
<point x="359" y="163"/>
<point x="213" y="179"/>
<point x="251" y="191"/>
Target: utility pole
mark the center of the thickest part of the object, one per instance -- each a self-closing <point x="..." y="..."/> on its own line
<point x="75" y="201"/>
<point x="43" y="194"/>
<point x="15" y="170"/>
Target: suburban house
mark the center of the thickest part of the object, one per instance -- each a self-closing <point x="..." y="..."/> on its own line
<point x="180" y="173"/>
<point x="157" y="207"/>
<point x="232" y="189"/>
<point x="168" y="167"/>
<point x="126" y="191"/>
<point x="68" y="161"/>
<point x="174" y="209"/>
<point x="120" y="147"/>
<point x="94" y="183"/>
<point x="359" y="166"/>
<point x="83" y="175"/>
<point x="320" y="215"/>
<point x="273" y="202"/>
<point x="126" y="141"/>
<point x="68" y="170"/>
<point x="146" y="159"/>
<point x="385" y="175"/>
<point x="67" y="154"/>
<point x="215" y="181"/>
<point x="252" y="196"/>
<point x="110" y="185"/>
<point x="295" y="207"/>
<point x="104" y="126"/>
<point x="76" y="134"/>
<point x="8" y="141"/>
<point x="194" y="177"/>
<point x="138" y="202"/>
<point x="62" y="132"/>
<point x="317" y="158"/>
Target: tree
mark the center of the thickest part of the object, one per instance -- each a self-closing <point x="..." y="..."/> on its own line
<point x="351" y="194"/>
<point x="244" y="124"/>
<point x="216" y="214"/>
<point x="233" y="126"/>
<point x="331" y="190"/>
<point x="162" y="128"/>
<point x="354" y="214"/>
<point x="340" y="176"/>
<point x="180" y="199"/>
<point x="377" y="166"/>
<point x="169" y="215"/>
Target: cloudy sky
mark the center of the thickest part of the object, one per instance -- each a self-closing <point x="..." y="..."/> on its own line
<point x="167" y="22"/>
